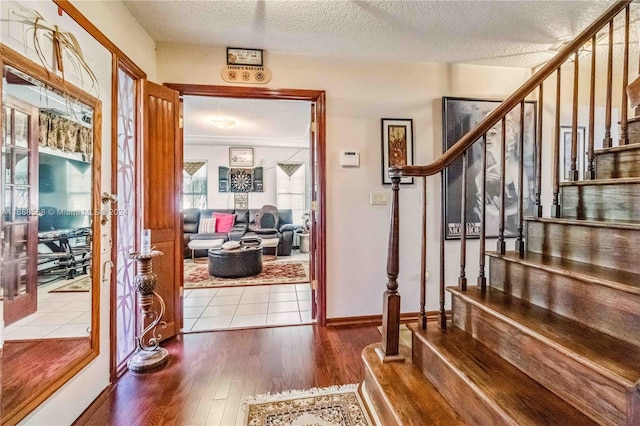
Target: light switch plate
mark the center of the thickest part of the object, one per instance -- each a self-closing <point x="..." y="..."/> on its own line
<point x="378" y="198"/>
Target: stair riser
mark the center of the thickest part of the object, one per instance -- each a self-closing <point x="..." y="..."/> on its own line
<point x="616" y="201"/>
<point x="377" y="399"/>
<point x="608" y="247"/>
<point x="603" y="308"/>
<point x="465" y="400"/>
<point x="588" y="391"/>
<point x="618" y="164"/>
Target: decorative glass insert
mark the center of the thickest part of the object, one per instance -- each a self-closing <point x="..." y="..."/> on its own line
<point x="126" y="222"/>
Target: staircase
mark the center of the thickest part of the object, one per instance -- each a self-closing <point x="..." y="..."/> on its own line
<point x="554" y="335"/>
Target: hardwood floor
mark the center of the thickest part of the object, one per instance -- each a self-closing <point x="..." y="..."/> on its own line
<point x="209" y="375"/>
<point x="30" y="367"/>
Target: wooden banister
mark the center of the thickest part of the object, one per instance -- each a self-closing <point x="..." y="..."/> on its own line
<point x="391" y="301"/>
<point x="512" y="101"/>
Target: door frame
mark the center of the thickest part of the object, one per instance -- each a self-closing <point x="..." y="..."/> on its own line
<point x="318" y="97"/>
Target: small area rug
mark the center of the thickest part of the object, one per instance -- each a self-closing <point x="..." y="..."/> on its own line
<point x="81" y="284"/>
<point x="196" y="275"/>
<point x="335" y="405"/>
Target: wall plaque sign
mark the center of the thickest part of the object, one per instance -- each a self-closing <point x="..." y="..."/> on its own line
<point x="245" y="75"/>
<point x="239" y="56"/>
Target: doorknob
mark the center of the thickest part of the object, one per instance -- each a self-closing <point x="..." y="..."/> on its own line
<point x="109" y="198"/>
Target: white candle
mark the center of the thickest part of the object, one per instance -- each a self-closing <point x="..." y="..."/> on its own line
<point x="145" y="241"/>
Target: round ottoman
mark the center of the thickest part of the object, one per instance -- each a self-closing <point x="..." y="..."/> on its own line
<point x="242" y="262"/>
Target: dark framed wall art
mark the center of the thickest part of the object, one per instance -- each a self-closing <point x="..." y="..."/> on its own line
<point x="459" y="115"/>
<point x="397" y="146"/>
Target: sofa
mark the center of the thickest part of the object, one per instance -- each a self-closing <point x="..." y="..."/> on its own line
<point x="244" y="223"/>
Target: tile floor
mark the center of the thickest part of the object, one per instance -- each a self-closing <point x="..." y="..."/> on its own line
<point x="67" y="314"/>
<point x="58" y="315"/>
<point x="250" y="306"/>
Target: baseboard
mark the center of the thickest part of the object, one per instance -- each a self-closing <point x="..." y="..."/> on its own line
<point x="377" y="319"/>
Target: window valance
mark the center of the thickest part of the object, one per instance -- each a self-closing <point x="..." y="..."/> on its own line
<point x="61" y="133"/>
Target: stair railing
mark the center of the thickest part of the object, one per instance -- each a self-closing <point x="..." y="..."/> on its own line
<point x="586" y="41"/>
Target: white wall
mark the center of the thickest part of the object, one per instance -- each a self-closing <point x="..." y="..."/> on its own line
<point x="359" y="94"/>
<point x="114" y="20"/>
<point x="267" y="157"/>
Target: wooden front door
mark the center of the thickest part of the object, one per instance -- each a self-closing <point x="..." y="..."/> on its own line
<point x="161" y="186"/>
<point x="19" y="211"/>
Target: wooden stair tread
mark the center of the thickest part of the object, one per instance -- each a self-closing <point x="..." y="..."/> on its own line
<point x="609" y="181"/>
<point x="519" y="396"/>
<point x="628" y="282"/>
<point x="611" y="357"/>
<point x="600" y="223"/>
<point x="620" y="148"/>
<point x="413" y="398"/>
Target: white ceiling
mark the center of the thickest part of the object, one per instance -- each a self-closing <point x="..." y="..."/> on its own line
<point x="502" y="33"/>
<point x="258" y="122"/>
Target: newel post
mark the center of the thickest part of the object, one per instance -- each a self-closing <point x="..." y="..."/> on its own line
<point x="391" y="301"/>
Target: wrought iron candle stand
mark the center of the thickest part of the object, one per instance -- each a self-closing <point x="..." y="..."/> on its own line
<point x="148" y="356"/>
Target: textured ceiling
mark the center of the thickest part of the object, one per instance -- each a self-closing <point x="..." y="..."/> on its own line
<point x="507" y="33"/>
<point x="502" y="33"/>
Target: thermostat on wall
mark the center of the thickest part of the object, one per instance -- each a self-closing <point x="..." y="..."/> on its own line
<point x="350" y="158"/>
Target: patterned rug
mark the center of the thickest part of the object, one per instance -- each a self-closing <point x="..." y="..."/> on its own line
<point x="82" y="284"/>
<point x="196" y="275"/>
<point x="336" y="405"/>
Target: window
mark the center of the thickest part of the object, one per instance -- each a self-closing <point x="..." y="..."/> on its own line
<point x="291" y="194"/>
<point x="194" y="187"/>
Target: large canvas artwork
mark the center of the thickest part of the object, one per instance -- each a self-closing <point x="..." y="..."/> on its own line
<point x="461" y="115"/>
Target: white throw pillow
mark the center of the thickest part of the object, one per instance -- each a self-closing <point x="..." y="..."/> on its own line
<point x="207" y="225"/>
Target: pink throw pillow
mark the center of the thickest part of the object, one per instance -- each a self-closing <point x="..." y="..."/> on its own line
<point x="224" y="221"/>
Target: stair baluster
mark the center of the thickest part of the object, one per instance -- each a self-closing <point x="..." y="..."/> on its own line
<point x="538" y="162"/>
<point x="423" y="257"/>
<point x="520" y="237"/>
<point x="503" y="163"/>
<point x="624" y="137"/>
<point x="574" y="173"/>
<point x="607" y="141"/>
<point x="482" y="279"/>
<point x="462" y="279"/>
<point x="591" y="170"/>
<point x="555" y="206"/>
<point x="442" y="317"/>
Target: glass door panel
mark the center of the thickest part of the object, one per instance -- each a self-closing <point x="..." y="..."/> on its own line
<point x="19" y="222"/>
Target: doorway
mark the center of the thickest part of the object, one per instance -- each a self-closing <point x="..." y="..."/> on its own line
<point x="313" y="240"/>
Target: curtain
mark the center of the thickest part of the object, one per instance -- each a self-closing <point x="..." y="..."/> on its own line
<point x="290" y="168"/>
<point x="192" y="167"/>
<point x="61" y="133"/>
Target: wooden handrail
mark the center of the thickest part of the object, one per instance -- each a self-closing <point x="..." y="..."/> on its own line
<point x="512" y="101"/>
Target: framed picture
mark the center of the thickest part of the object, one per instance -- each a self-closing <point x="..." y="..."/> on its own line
<point x="240" y="157"/>
<point x="459" y="115"/>
<point x="565" y="152"/>
<point x="397" y="146"/>
<point x="240" y="56"/>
